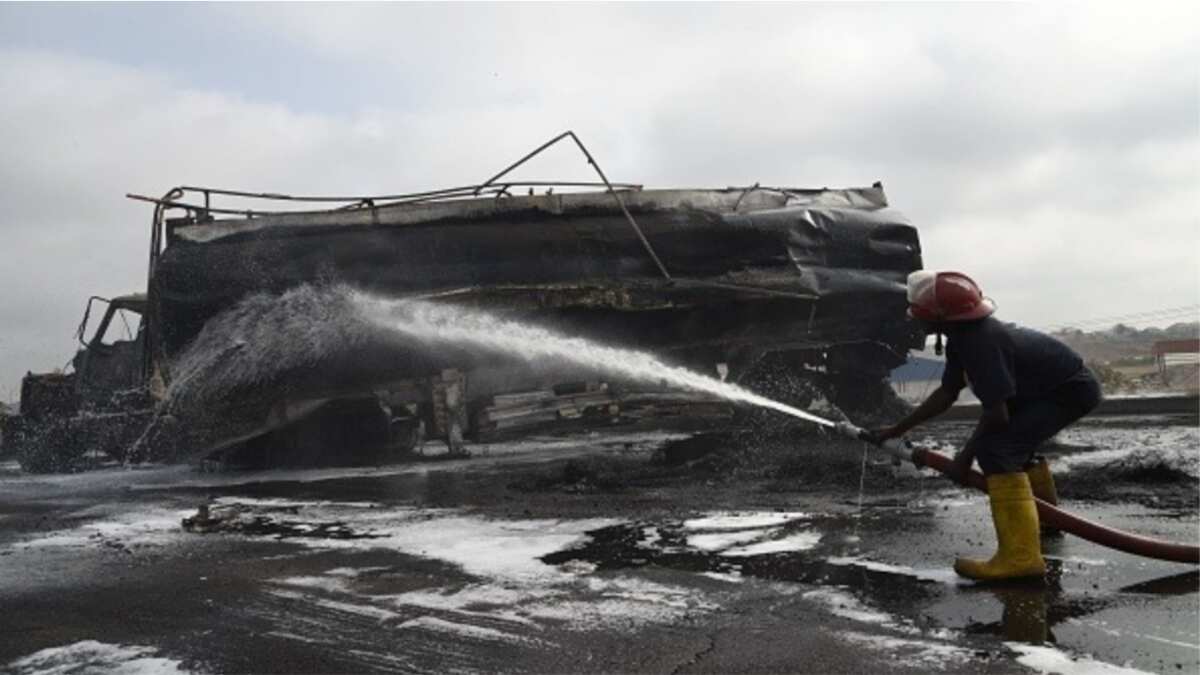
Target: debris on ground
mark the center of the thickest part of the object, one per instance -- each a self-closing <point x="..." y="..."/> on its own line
<point x="239" y="519"/>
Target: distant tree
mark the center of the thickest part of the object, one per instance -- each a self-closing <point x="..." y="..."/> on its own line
<point x="1111" y="380"/>
<point x="1183" y="331"/>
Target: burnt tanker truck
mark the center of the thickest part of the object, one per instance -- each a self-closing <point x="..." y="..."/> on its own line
<point x="744" y="281"/>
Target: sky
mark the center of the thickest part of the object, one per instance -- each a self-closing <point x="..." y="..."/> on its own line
<point x="1051" y="151"/>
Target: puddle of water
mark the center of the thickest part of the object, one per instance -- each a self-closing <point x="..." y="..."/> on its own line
<point x="915" y="602"/>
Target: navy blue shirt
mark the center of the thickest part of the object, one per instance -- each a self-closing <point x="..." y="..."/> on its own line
<point x="1002" y="361"/>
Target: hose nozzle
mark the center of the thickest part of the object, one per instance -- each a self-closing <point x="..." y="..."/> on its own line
<point x="851" y="431"/>
<point x="898" y="448"/>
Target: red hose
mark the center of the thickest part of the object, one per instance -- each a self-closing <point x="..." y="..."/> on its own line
<point x="1080" y="527"/>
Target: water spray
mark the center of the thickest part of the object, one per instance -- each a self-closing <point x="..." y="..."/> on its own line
<point x="217" y="363"/>
<point x="443" y="323"/>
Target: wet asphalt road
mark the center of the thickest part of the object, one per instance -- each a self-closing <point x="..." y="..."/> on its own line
<point x="445" y="567"/>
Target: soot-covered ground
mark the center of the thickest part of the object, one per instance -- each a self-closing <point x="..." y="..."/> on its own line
<point x="739" y="551"/>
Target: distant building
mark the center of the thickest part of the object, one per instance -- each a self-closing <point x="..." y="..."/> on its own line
<point x="919" y="369"/>
<point x="917" y="378"/>
<point x="920" y="375"/>
<point x="1169" y="353"/>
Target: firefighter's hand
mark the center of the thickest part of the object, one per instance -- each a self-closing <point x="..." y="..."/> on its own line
<point x="878" y="436"/>
<point x="960" y="468"/>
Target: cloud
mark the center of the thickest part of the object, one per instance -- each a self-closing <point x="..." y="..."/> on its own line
<point x="1052" y="150"/>
<point x="79" y="134"/>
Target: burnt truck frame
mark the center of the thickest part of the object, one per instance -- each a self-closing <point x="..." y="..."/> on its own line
<point x="750" y="281"/>
<point x="756" y="279"/>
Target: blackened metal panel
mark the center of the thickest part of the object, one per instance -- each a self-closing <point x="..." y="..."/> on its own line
<point x="825" y="252"/>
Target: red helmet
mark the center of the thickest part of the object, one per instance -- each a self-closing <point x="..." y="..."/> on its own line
<point x="946" y="296"/>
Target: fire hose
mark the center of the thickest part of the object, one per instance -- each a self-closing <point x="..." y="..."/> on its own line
<point x="1047" y="513"/>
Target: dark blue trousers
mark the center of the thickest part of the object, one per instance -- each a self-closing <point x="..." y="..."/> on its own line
<point x="1033" y="421"/>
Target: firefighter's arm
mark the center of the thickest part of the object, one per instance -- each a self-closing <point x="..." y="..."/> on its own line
<point x="935" y="404"/>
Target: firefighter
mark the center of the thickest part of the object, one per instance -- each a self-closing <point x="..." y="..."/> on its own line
<point x="1030" y="387"/>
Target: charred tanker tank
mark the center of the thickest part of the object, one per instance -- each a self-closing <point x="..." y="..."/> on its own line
<point x="806" y="280"/>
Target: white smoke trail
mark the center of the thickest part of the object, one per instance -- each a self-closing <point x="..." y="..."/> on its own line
<point x="432" y="322"/>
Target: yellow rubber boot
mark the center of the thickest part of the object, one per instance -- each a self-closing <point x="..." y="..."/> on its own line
<point x="1019" y="551"/>
<point x="1042" y="483"/>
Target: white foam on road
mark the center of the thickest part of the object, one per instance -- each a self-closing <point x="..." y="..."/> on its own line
<point x="730" y="577"/>
<point x="742" y="521"/>
<point x="650" y="537"/>
<point x="1080" y="560"/>
<point x="1050" y="660"/>
<point x="801" y="541"/>
<point x="721" y="532"/>
<point x="499" y="549"/>
<point x="1121" y="460"/>
<point x="364" y="608"/>
<point x="943" y="576"/>
<point x="578" y="567"/>
<point x="513" y="592"/>
<point x="282" y="503"/>
<point x="481" y="599"/>
<point x="433" y="623"/>
<point x="1122" y="450"/>
<point x="91" y="656"/>
<point x="910" y="652"/>
<point x="333" y="583"/>
<point x="513" y="586"/>
<point x="296" y="637"/>
<point x="620" y="603"/>
<point x="643" y="591"/>
<point x="582" y="603"/>
<point x="719" y="541"/>
<point x="946" y="501"/>
<point x="354" y="572"/>
<point x="144" y="526"/>
<point x="504" y="549"/>
<point x="840" y="603"/>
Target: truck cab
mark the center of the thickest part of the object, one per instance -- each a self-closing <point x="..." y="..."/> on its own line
<point x="99" y="404"/>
